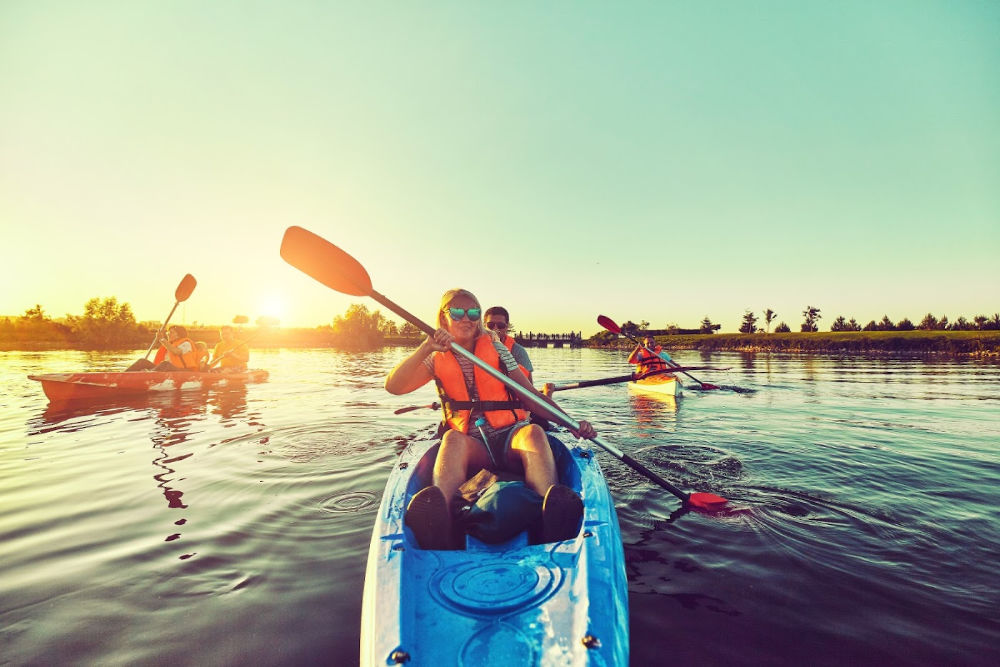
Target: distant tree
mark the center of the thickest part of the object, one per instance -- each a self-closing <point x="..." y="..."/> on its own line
<point x="782" y="328"/>
<point x="942" y="323"/>
<point x="980" y="321"/>
<point x="852" y="325"/>
<point x="390" y="328"/>
<point x="409" y="330"/>
<point x="871" y="326"/>
<point x="749" y="324"/>
<point x="886" y="324"/>
<point x="962" y="324"/>
<point x="35" y="314"/>
<point x="839" y="324"/>
<point x="811" y="314"/>
<point x="905" y="324"/>
<point x="673" y="329"/>
<point x="105" y="323"/>
<point x="706" y="326"/>
<point x="769" y="316"/>
<point x="359" y="329"/>
<point x="630" y="328"/>
<point x="929" y="322"/>
<point x="241" y="319"/>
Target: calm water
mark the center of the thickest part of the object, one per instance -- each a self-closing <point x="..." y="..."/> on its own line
<point x="232" y="527"/>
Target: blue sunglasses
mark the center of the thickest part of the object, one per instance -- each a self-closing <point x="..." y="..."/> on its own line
<point x="458" y="313"/>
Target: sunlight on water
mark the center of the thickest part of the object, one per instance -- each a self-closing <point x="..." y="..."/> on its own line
<point x="861" y="527"/>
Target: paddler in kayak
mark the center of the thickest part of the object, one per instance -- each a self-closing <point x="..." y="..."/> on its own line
<point x="504" y="440"/>
<point x="648" y="362"/>
<point x="230" y="354"/>
<point x="180" y="352"/>
<point x="497" y="319"/>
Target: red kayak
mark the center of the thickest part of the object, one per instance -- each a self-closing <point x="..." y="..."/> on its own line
<point x="74" y="386"/>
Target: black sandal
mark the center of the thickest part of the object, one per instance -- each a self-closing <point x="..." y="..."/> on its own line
<point x="428" y="517"/>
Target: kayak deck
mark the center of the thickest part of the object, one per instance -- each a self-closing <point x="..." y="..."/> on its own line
<point x="516" y="603"/>
<point x="82" y="386"/>
<point x="663" y="383"/>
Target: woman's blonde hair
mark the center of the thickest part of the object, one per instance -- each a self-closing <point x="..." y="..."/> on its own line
<point x="450" y="296"/>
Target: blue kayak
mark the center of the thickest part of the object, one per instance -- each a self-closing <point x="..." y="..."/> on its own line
<point x="562" y="603"/>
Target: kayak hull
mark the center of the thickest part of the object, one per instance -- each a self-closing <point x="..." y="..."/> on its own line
<point x="87" y="386"/>
<point x="664" y="384"/>
<point x="563" y="603"/>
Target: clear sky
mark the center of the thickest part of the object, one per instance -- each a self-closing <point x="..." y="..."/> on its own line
<point x="660" y="161"/>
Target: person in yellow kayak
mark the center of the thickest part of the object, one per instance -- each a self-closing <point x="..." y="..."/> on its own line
<point x="231" y="354"/>
<point x="486" y="426"/>
<point x="179" y="352"/>
<point x="649" y="362"/>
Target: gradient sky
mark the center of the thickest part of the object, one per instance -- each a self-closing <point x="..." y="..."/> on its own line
<point x="659" y="161"/>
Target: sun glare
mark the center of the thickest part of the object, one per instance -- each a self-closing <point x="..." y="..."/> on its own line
<point x="272" y="305"/>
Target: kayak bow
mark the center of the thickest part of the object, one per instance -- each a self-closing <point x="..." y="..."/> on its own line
<point x="509" y="604"/>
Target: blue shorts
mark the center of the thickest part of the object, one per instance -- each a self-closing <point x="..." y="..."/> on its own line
<point x="498" y="447"/>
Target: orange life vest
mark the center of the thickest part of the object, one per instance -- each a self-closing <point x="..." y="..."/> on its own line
<point x="648" y="361"/>
<point x="188" y="361"/>
<point x="231" y="361"/>
<point x="495" y="401"/>
<point x="509" y="342"/>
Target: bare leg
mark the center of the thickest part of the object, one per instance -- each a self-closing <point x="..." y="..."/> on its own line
<point x="530" y="443"/>
<point x="458" y="454"/>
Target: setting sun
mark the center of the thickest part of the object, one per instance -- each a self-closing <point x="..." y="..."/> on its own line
<point x="272" y="305"/>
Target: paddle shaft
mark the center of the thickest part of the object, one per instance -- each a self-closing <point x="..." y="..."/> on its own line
<point x="246" y="344"/>
<point x="162" y="328"/>
<point x="182" y="293"/>
<point x="556" y="413"/>
<point x="627" y="378"/>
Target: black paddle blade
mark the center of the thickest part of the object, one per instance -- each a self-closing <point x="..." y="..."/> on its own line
<point x="317" y="257"/>
<point x="608" y="324"/>
<point x="184" y="288"/>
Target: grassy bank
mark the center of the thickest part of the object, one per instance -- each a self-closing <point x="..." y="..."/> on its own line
<point x="962" y="343"/>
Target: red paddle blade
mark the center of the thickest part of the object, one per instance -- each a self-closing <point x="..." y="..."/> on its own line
<point x="184" y="288"/>
<point x="608" y="324"/>
<point x="317" y="257"/>
<point x="707" y="501"/>
<point x="705" y="385"/>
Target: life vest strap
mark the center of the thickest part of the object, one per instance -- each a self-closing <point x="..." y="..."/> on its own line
<point x="483" y="406"/>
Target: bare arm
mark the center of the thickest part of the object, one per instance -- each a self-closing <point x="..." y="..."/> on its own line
<point x="586" y="430"/>
<point x="411" y="373"/>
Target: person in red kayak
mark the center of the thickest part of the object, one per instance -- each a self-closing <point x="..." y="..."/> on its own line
<point x="649" y="362"/>
<point x="231" y="354"/>
<point x="180" y="352"/>
<point x="486" y="426"/>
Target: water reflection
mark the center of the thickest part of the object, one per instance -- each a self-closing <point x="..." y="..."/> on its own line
<point x="652" y="412"/>
<point x="172" y="427"/>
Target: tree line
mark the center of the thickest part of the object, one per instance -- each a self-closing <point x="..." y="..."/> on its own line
<point x="105" y="324"/>
<point x="811" y="316"/>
